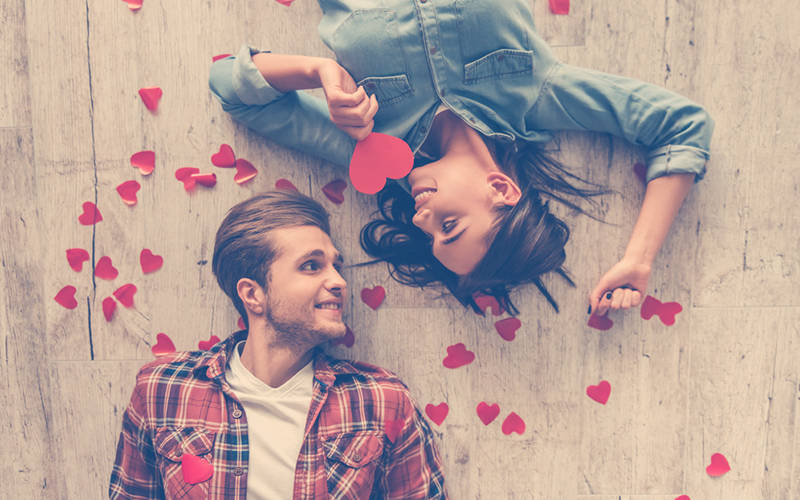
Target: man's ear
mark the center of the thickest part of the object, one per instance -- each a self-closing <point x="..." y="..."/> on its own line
<point x="252" y="296"/>
<point x="503" y="190"/>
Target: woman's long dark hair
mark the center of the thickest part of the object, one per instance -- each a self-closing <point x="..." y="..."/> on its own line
<point x="527" y="241"/>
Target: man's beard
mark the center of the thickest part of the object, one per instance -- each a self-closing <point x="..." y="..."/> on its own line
<point x="294" y="331"/>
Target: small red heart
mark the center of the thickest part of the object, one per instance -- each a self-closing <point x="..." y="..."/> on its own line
<point x="666" y="312"/>
<point x="507" y="328"/>
<point x="66" y="297"/>
<point x="438" y="413"/>
<point x="488" y="302"/>
<point x="393" y="428"/>
<point x="225" y="158"/>
<point x="207" y="180"/>
<point x="513" y="423"/>
<point x="244" y="171"/>
<point x="376" y="158"/>
<point x="124" y="294"/>
<point x="206" y="345"/>
<point x="285" y="2"/>
<point x="600" y="322"/>
<point x="599" y="392"/>
<point x="163" y="345"/>
<point x="150" y="97"/>
<point x="134" y="4"/>
<point x="221" y="56"/>
<point x="241" y="324"/>
<point x="348" y="339"/>
<point x="683" y="497"/>
<point x="334" y="191"/>
<point x="284" y="184"/>
<point x="185" y="176"/>
<point x="640" y="171"/>
<point x="487" y="413"/>
<point x="458" y="355"/>
<point x="149" y="261"/>
<point x="105" y="270"/>
<point x="145" y="161"/>
<point x="373" y="297"/>
<point x="127" y="191"/>
<point x="719" y="465"/>
<point x="195" y="469"/>
<point x="109" y="306"/>
<point x="559" y="7"/>
<point x="91" y="215"/>
<point x="76" y="257"/>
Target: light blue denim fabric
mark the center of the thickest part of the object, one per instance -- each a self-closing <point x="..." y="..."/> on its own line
<point x="486" y="62"/>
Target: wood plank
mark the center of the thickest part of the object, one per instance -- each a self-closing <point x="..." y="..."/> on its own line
<point x="15" y="101"/>
<point x="561" y="30"/>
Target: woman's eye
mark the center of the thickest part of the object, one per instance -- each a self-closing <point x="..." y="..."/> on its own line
<point x="448" y="225"/>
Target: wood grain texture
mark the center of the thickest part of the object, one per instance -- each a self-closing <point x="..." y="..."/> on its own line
<point x="15" y="101"/>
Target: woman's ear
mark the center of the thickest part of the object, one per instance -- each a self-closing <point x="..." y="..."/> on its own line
<point x="503" y="190"/>
<point x="252" y="296"/>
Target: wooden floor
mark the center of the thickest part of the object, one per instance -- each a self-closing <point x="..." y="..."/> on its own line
<point x="723" y="379"/>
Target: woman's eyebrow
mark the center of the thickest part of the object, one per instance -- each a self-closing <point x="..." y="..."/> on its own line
<point x="454" y="238"/>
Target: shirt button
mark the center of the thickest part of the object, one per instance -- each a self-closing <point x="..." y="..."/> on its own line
<point x="433" y="50"/>
<point x="472" y="120"/>
<point x="423" y="129"/>
<point x="357" y="457"/>
<point x="501" y="57"/>
<point x="370" y="85"/>
<point x="238" y="471"/>
<point x="444" y="92"/>
<point x="237" y="413"/>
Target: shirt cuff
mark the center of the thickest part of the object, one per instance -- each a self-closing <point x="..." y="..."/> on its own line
<point x="676" y="159"/>
<point x="248" y="83"/>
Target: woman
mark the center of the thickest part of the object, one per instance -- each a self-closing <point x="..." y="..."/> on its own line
<point x="473" y="90"/>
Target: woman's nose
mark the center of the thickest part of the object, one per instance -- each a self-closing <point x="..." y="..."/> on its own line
<point x="420" y="217"/>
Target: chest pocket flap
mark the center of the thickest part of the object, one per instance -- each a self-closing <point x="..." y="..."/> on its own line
<point x="354" y="449"/>
<point x="172" y="442"/>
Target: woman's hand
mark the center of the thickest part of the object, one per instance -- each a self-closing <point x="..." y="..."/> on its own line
<point x="626" y="282"/>
<point x="351" y="109"/>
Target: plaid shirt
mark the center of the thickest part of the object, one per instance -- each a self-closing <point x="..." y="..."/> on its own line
<point x="182" y="405"/>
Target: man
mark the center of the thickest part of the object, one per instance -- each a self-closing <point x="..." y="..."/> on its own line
<point x="265" y="414"/>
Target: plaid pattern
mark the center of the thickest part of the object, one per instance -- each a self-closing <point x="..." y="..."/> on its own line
<point x="182" y="405"/>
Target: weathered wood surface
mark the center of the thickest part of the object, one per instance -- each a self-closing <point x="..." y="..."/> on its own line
<point x="724" y="378"/>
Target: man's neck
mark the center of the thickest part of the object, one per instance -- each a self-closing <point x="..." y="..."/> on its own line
<point x="272" y="364"/>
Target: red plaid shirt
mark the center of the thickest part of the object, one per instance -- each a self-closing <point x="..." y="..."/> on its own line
<point x="182" y="405"/>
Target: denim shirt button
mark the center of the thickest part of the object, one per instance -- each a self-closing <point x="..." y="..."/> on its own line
<point x="423" y="129"/>
<point x="433" y="50"/>
<point x="501" y="57"/>
<point x="444" y="92"/>
<point x="370" y="85"/>
<point x="472" y="120"/>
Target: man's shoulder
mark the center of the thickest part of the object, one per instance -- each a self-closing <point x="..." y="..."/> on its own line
<point x="349" y="371"/>
<point x="174" y="367"/>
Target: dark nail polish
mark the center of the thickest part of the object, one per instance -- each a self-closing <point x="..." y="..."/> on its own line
<point x="590" y="309"/>
<point x="608" y="295"/>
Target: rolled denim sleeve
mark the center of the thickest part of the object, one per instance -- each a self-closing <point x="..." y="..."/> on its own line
<point x="294" y="119"/>
<point x="676" y="131"/>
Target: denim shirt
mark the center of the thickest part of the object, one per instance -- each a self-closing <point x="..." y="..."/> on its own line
<point x="482" y="59"/>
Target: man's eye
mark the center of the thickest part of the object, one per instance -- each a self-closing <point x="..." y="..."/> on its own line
<point x="309" y="266"/>
<point x="448" y="225"/>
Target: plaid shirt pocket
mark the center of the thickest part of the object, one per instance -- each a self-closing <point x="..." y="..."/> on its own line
<point x="351" y="460"/>
<point x="171" y="443"/>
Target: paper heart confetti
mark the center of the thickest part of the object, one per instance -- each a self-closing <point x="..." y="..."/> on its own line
<point x="218" y="57"/>
<point x="150" y="97"/>
<point x="507" y="328"/>
<point x="225" y="158"/>
<point x="683" y="497"/>
<point x="207" y="179"/>
<point x="376" y="158"/>
<point x="124" y="294"/>
<point x="719" y="465"/>
<point x="334" y="191"/>
<point x="347" y="340"/>
<point x="285" y="2"/>
<point x="600" y="322"/>
<point x="163" y="345"/>
<point x="393" y="428"/>
<point x="487" y="413"/>
<point x="599" y="392"/>
<point x="105" y="269"/>
<point x="149" y="261"/>
<point x="373" y="297"/>
<point x="91" y="215"/>
<point x="145" y="161"/>
<point x="185" y="176"/>
<point x="666" y="312"/>
<point x="513" y="423"/>
<point x="241" y="324"/>
<point x="458" y="355"/>
<point x="640" y="171"/>
<point x="195" y="470"/>
<point x="134" y="5"/>
<point x="127" y="191"/>
<point x="437" y="413"/>
<point x="284" y="184"/>
<point x="205" y="345"/>
<point x="244" y="171"/>
<point x="109" y="306"/>
<point x="76" y="257"/>
<point x="66" y="297"/>
<point x="488" y="302"/>
<point x="559" y="7"/>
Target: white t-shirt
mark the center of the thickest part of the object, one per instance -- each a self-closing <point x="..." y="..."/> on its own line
<point x="276" y="419"/>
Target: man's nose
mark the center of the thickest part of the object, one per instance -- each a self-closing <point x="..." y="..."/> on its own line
<point x="335" y="281"/>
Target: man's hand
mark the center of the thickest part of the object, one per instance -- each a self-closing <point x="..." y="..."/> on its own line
<point x="626" y="282"/>
<point x="351" y="109"/>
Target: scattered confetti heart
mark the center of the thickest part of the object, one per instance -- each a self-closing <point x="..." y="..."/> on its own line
<point x="719" y="465"/>
<point x="163" y="345"/>
<point x="218" y="57"/>
<point x="225" y="158"/>
<point x="683" y="497"/>
<point x="487" y="413"/>
<point x="124" y="294"/>
<point x="105" y="270"/>
<point x="205" y="345"/>
<point x="334" y="191"/>
<point x="284" y="184"/>
<point x="640" y="171"/>
<point x="438" y="413"/>
<point x="91" y="215"/>
<point x="145" y="161"/>
<point x="150" y="97"/>
<point x="376" y="158"/>
<point x="134" y="5"/>
<point x="185" y="176"/>
<point x="241" y="324"/>
<point x="348" y="340"/>
<point x="507" y="328"/>
<point x="109" y="306"/>
<point x="458" y="355"/>
<point x="599" y="392"/>
<point x="149" y="261"/>
<point x="127" y="191"/>
<point x="666" y="312"/>
<point x="207" y="180"/>
<point x="244" y="171"/>
<point x="195" y="469"/>
<point x="559" y="7"/>
<point x="393" y="428"/>
<point x="285" y="2"/>
<point x="488" y="302"/>
<point x="373" y="297"/>
<point x="66" y="297"/>
<point x="600" y="322"/>
<point x="513" y="423"/>
<point x="76" y="257"/>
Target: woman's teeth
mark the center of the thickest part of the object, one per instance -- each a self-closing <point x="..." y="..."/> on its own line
<point x="424" y="195"/>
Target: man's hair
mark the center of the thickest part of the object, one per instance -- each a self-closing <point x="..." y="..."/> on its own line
<point x="244" y="247"/>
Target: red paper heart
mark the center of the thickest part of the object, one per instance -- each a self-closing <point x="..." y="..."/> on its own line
<point x="127" y="191"/>
<point x="719" y="465"/>
<point x="225" y="158"/>
<point x="76" y="257"/>
<point x="124" y="294"/>
<point x="373" y="297"/>
<point x="185" y="176"/>
<point x="640" y="171"/>
<point x="163" y="345"/>
<point x="485" y="302"/>
<point x="334" y="191"/>
<point x="195" y="469"/>
<point x="600" y="322"/>
<point x="105" y="270"/>
<point x="66" y="297"/>
<point x="438" y="413"/>
<point x="91" y="215"/>
<point x="666" y="312"/>
<point x="377" y="158"/>
<point x="559" y="7"/>
<point x="206" y="345"/>
<point x="507" y="328"/>
<point x="513" y="423"/>
<point x="150" y="97"/>
<point x="487" y="413"/>
<point x="109" y="306"/>
<point x="458" y="355"/>
<point x="599" y="392"/>
<point x="348" y="339"/>
<point x="683" y="497"/>
<point x="284" y="184"/>
<point x="145" y="161"/>
<point x="392" y="428"/>
<point x="285" y="2"/>
<point x="207" y="179"/>
<point x="150" y="262"/>
<point x="241" y="324"/>
<point x="134" y="4"/>
<point x="221" y="56"/>
<point x="244" y="171"/>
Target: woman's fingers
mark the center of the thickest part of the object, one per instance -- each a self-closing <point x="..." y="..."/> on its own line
<point x="357" y="133"/>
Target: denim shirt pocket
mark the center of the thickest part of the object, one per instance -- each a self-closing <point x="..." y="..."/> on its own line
<point x="171" y="443"/>
<point x="503" y="63"/>
<point x="367" y="44"/>
<point x="387" y="89"/>
<point x="351" y="460"/>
